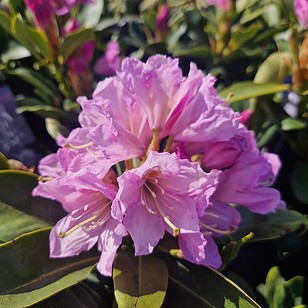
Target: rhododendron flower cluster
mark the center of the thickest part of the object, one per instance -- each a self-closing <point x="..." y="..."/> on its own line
<point x="157" y="153"/>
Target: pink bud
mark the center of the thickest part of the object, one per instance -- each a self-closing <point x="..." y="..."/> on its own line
<point x="42" y="10"/>
<point x="225" y="5"/>
<point x="162" y="18"/>
<point x="246" y="117"/>
<point x="301" y="12"/>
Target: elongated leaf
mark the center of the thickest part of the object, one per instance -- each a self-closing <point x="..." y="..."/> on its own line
<point x="30" y="298"/>
<point x="139" y="281"/>
<point x="248" y="89"/>
<point x="16" y="188"/>
<point x="5" y="21"/>
<point x="202" y="52"/>
<point x="198" y="286"/>
<point x="3" y="162"/>
<point x="31" y="38"/>
<point x="75" y="39"/>
<point x="26" y="266"/>
<point x="292" y="124"/>
<point x="14" y="223"/>
<point x="271" y="226"/>
<point x="34" y="78"/>
<point x="44" y="111"/>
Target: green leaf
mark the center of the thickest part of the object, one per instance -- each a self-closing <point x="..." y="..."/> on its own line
<point x="5" y="21"/>
<point x="299" y="181"/>
<point x="292" y="124"/>
<point x="27" y="270"/>
<point x="14" y="223"/>
<point x="29" y="298"/>
<point x="3" y="162"/>
<point x="270" y="226"/>
<point x="34" y="78"/>
<point x="45" y="111"/>
<point x="54" y="128"/>
<point x="15" y="51"/>
<point x="139" y="281"/>
<point x="89" y="15"/>
<point x="74" y="40"/>
<point x="16" y="188"/>
<point x="31" y="38"/>
<point x="295" y="288"/>
<point x="199" y="286"/>
<point x="202" y="52"/>
<point x="248" y="89"/>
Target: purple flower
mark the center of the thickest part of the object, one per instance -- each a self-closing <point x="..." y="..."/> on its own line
<point x="301" y="12"/>
<point x="166" y="194"/>
<point x="63" y="7"/>
<point x="42" y="10"/>
<point x="88" y="201"/>
<point x="225" y="5"/>
<point x="110" y="62"/>
<point x="247" y="183"/>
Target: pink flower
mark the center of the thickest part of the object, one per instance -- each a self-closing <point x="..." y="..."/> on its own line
<point x="166" y="194"/>
<point x="110" y="62"/>
<point x="162" y="18"/>
<point x="63" y="7"/>
<point x="247" y="183"/>
<point x="301" y="12"/>
<point x="88" y="201"/>
<point x="246" y="117"/>
<point x="42" y="10"/>
<point x="225" y="5"/>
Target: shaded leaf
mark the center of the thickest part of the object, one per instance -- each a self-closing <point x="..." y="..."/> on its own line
<point x="5" y="21"/>
<point x="199" y="286"/>
<point x="292" y="124"/>
<point x="31" y="38"/>
<point x="20" y="196"/>
<point x="139" y="281"/>
<point x="54" y="128"/>
<point x="76" y="39"/>
<point x="14" y="223"/>
<point x="3" y="162"/>
<point x="202" y="52"/>
<point x="39" y="294"/>
<point x="299" y="181"/>
<point x="270" y="226"/>
<point x="26" y="266"/>
<point x="248" y="89"/>
<point x="44" y="111"/>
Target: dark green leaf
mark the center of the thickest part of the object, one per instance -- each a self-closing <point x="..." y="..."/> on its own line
<point x="26" y="266"/>
<point x="76" y="39"/>
<point x="248" y="89"/>
<point x="3" y="162"/>
<point x="202" y="52"/>
<point x="14" y="223"/>
<point x="34" y="78"/>
<point x="16" y="188"/>
<point x="29" y="298"/>
<point x="270" y="226"/>
<point x="299" y="181"/>
<point x="198" y="286"/>
<point x="31" y="38"/>
<point x="139" y="281"/>
<point x="292" y="124"/>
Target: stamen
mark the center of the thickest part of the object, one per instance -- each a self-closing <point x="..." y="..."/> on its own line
<point x="63" y="234"/>
<point x="44" y="178"/>
<point x="213" y="229"/>
<point x="168" y="144"/>
<point x="155" y="141"/>
<point x="78" y="147"/>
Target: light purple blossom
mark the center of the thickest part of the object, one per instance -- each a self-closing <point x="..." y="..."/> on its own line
<point x="301" y="12"/>
<point x="110" y="62"/>
<point x="166" y="194"/>
<point x="225" y="5"/>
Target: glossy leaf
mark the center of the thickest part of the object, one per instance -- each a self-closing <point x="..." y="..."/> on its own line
<point x="16" y="188"/>
<point x="44" y="111"/>
<point x="34" y="78"/>
<point x="299" y="181"/>
<point x="76" y="39"/>
<point x="31" y="38"/>
<point x="14" y="223"/>
<point x="248" y="89"/>
<point x="139" y="281"/>
<point x="270" y="226"/>
<point x="292" y="124"/>
<point x="26" y="266"/>
<point x="30" y="298"/>
<point x="199" y="286"/>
